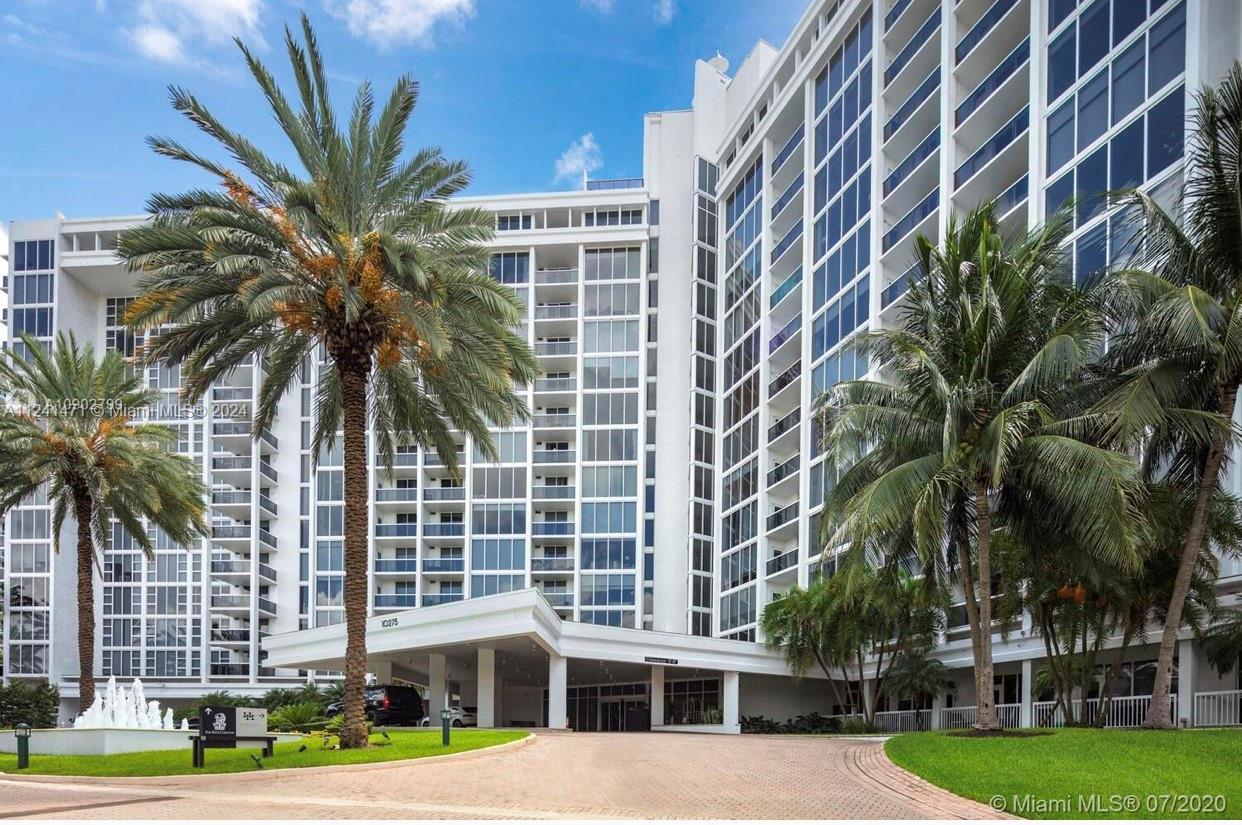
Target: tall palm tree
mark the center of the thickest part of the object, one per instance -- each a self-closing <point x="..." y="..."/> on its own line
<point x="970" y="415"/>
<point x="916" y="675"/>
<point x="69" y="427"/>
<point x="356" y="253"/>
<point x="1182" y="337"/>
<point x="798" y="622"/>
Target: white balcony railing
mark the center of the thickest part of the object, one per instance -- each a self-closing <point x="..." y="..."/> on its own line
<point x="1218" y="708"/>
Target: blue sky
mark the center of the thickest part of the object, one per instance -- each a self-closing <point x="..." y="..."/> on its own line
<point x="518" y="88"/>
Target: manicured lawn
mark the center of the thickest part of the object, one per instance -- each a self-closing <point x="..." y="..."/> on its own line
<point x="403" y="744"/>
<point x="1160" y="774"/>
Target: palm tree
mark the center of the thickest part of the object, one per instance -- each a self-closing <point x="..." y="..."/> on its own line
<point x="355" y="254"/>
<point x="798" y="622"/>
<point x="970" y="418"/>
<point x="918" y="676"/>
<point x="1181" y="341"/>
<point x="69" y="427"/>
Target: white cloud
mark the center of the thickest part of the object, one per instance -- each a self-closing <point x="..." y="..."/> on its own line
<point x="581" y="158"/>
<point x="389" y="23"/>
<point x="604" y="6"/>
<point x="664" y="11"/>
<point x="166" y="27"/>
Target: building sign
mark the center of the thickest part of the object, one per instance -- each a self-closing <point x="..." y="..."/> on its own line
<point x="251" y="722"/>
<point x="659" y="660"/>
<point x="217" y="723"/>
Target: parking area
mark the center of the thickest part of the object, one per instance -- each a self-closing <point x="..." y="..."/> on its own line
<point x="557" y="775"/>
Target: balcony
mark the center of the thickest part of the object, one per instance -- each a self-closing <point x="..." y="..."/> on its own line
<point x="994" y="81"/>
<point x="231" y="635"/>
<point x="389" y="601"/>
<point x="981" y="29"/>
<point x="451" y="564"/>
<point x="784" y="470"/>
<point x="556" y="384"/>
<point x="786" y="152"/>
<point x="227" y="532"/>
<point x="444" y="494"/>
<point x="992" y="147"/>
<point x="405" y="565"/>
<point x="783" y="516"/>
<point x="561" y="599"/>
<point x="433" y="599"/>
<point x="900" y="286"/>
<point x="405" y="459"/>
<point x="553" y="456"/>
<point x="608" y="184"/>
<point x="396" y="494"/>
<point x="787" y="286"/>
<point x="551" y="565"/>
<point x="926" y="148"/>
<point x="789" y="376"/>
<point x="911" y="105"/>
<point x="1012" y="197"/>
<point x="784" y="561"/>
<point x="554" y="348"/>
<point x="788" y="196"/>
<point x="396" y="531"/>
<point x="230" y="602"/>
<point x="568" y="275"/>
<point x="552" y="491"/>
<point x="230" y="567"/>
<point x="912" y="47"/>
<point x="555" y="312"/>
<point x="267" y="471"/>
<point x="230" y="669"/>
<point x="786" y="333"/>
<point x="786" y="243"/>
<point x="553" y="421"/>
<point x="911" y="220"/>
<point x="444" y="529"/>
<point x="433" y="459"/>
<point x="786" y="424"/>
<point x="232" y="393"/>
<point x="228" y="461"/>
<point x="552" y="528"/>
<point x="894" y="14"/>
<point x="224" y="498"/>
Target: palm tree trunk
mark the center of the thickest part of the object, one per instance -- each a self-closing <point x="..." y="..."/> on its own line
<point x="354" y="379"/>
<point x="1158" y="710"/>
<point x="986" y="715"/>
<point x="83" y="511"/>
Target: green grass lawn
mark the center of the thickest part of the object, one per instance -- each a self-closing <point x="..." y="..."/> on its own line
<point x="403" y="744"/>
<point x="1114" y="768"/>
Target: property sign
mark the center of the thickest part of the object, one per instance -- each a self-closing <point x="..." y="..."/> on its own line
<point x="659" y="660"/>
<point x="219" y="723"/>
<point x="251" y="722"/>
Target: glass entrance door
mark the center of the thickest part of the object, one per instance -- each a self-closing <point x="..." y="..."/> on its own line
<point x="623" y="713"/>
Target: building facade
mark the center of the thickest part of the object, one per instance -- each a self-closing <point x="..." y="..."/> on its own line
<point x="669" y="479"/>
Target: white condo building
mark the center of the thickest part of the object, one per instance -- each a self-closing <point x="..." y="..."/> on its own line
<point x="609" y="571"/>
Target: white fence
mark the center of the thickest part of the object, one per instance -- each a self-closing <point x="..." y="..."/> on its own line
<point x="1010" y="716"/>
<point x="903" y="721"/>
<point x="1122" y="712"/>
<point x="1218" y="708"/>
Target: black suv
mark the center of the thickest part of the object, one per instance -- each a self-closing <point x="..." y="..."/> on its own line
<point x="388" y="705"/>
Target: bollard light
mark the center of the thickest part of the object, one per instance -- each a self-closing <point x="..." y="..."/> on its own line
<point x="22" y="733"/>
<point x="445" y="716"/>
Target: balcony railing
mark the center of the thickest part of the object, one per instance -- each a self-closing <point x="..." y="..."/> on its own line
<point x="433" y="459"/>
<point x="552" y="528"/>
<point x="916" y="42"/>
<point x="405" y="459"/>
<point x="396" y="530"/>
<point x="232" y="669"/>
<point x="911" y="219"/>
<point x="926" y="148"/>
<point x="980" y="30"/>
<point x="785" y="424"/>
<point x="231" y="462"/>
<point x="786" y="378"/>
<point x="556" y="384"/>
<point x="553" y="456"/>
<point x="787" y="197"/>
<point x="567" y="275"/>
<point x="547" y="312"/>
<point x="912" y="103"/>
<point x="556" y="347"/>
<point x="555" y="491"/>
<point x="782" y="516"/>
<point x="232" y="393"/>
<point x="232" y="531"/>
<point x="993" y="146"/>
<point x="785" y="243"/>
<point x="782" y="562"/>
<point x="791" y="328"/>
<point x="1218" y="708"/>
<point x="226" y="601"/>
<point x="559" y="599"/>
<point x="900" y="286"/>
<point x="433" y="599"/>
<point x="605" y="184"/>
<point x="791" y="145"/>
<point x="1012" y="196"/>
<point x="444" y="494"/>
<point x="784" y="470"/>
<point x="444" y="565"/>
<point x="444" y="529"/>
<point x="995" y="79"/>
<point x="268" y="471"/>
<point x="553" y="420"/>
<point x="231" y="634"/>
<point x="236" y="567"/>
<point x="230" y="496"/>
<point x="894" y="14"/>
<point x="396" y="565"/>
<point x="551" y="565"/>
<point x="396" y="600"/>
<point x="390" y="494"/>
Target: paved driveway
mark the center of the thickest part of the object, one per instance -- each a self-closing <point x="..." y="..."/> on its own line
<point x="557" y="775"/>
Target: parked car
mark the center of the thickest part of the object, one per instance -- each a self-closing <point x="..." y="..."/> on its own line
<point x="462" y="717"/>
<point x="388" y="705"/>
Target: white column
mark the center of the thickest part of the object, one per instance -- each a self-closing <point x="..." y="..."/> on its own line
<point x="437" y="697"/>
<point x="729" y="684"/>
<point x="381" y="669"/>
<point x="558" y="682"/>
<point x="486" y="697"/>
<point x="867" y="702"/>
<point x="657" y="695"/>
<point x="1185" y="682"/>
<point x="1027" y="716"/>
<point x="937" y="706"/>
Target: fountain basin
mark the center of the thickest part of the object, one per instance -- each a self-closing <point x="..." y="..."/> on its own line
<point x="107" y="741"/>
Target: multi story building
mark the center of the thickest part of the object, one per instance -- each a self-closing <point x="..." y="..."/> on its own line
<point x="668" y="484"/>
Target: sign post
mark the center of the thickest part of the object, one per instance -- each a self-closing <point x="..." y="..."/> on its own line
<point x="223" y="727"/>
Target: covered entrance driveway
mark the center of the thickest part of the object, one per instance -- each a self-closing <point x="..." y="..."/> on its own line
<point x="511" y="661"/>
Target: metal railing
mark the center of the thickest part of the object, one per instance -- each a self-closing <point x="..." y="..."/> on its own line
<point x="1010" y="716"/>
<point x="1000" y="140"/>
<point x="555" y="491"/>
<point x="432" y="599"/>
<point x="1218" y="708"/>
<point x="547" y="312"/>
<point x="545" y="420"/>
<point x="786" y="378"/>
<point x="903" y="721"/>
<point x="926" y="148"/>
<point x="396" y="600"/>
<point x="444" y="565"/>
<point x="556" y="384"/>
<point x="605" y="184"/>
<point x="397" y="494"/>
<point x="912" y="103"/>
<point x="981" y="29"/>
<point x="552" y="528"/>
<point x="784" y="470"/>
<point x="794" y="141"/>
<point x="791" y="328"/>
<point x="396" y="565"/>
<point x="553" y="456"/>
<point x="995" y="79"/>
<point x="404" y="529"/>
<point x="911" y="219"/>
<point x="782" y="516"/>
<point x="549" y="564"/>
<point x="782" y="562"/>
<point x="916" y="42"/>
<point x="787" y="286"/>
<point x="1122" y="712"/>
<point x="445" y="529"/>
<point x="785" y="424"/>
<point x="567" y="275"/>
<point x="556" y="347"/>
<point x="444" y="494"/>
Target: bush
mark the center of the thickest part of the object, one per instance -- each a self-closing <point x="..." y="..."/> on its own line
<point x="856" y="725"/>
<point x="218" y="699"/>
<point x="806" y="723"/>
<point x="300" y="717"/>
<point x="34" y="703"/>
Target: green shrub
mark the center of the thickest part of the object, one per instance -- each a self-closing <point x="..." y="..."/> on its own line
<point x="300" y="717"/>
<point x="217" y="699"/>
<point x="857" y="725"/>
<point x="34" y="703"/>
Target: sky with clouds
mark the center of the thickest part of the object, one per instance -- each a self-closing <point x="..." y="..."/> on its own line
<point x="531" y="93"/>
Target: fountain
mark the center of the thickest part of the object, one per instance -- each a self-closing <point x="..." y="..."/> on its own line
<point x="120" y="708"/>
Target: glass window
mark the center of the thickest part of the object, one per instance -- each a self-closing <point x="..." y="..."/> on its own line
<point x="1093" y="42"/>
<point x="1126" y="162"/>
<point x="1062" y="70"/>
<point x="1168" y="49"/>
<point x="1165" y="130"/>
<point x="1128" y="79"/>
<point x="1128" y="15"/>
<point x="1092" y="183"/>
<point x="1058" y="192"/>
<point x="1090" y="257"/>
<point x="1092" y="109"/>
<point x="1059" y="10"/>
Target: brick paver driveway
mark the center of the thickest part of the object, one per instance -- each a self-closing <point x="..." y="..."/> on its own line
<point x="557" y="775"/>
